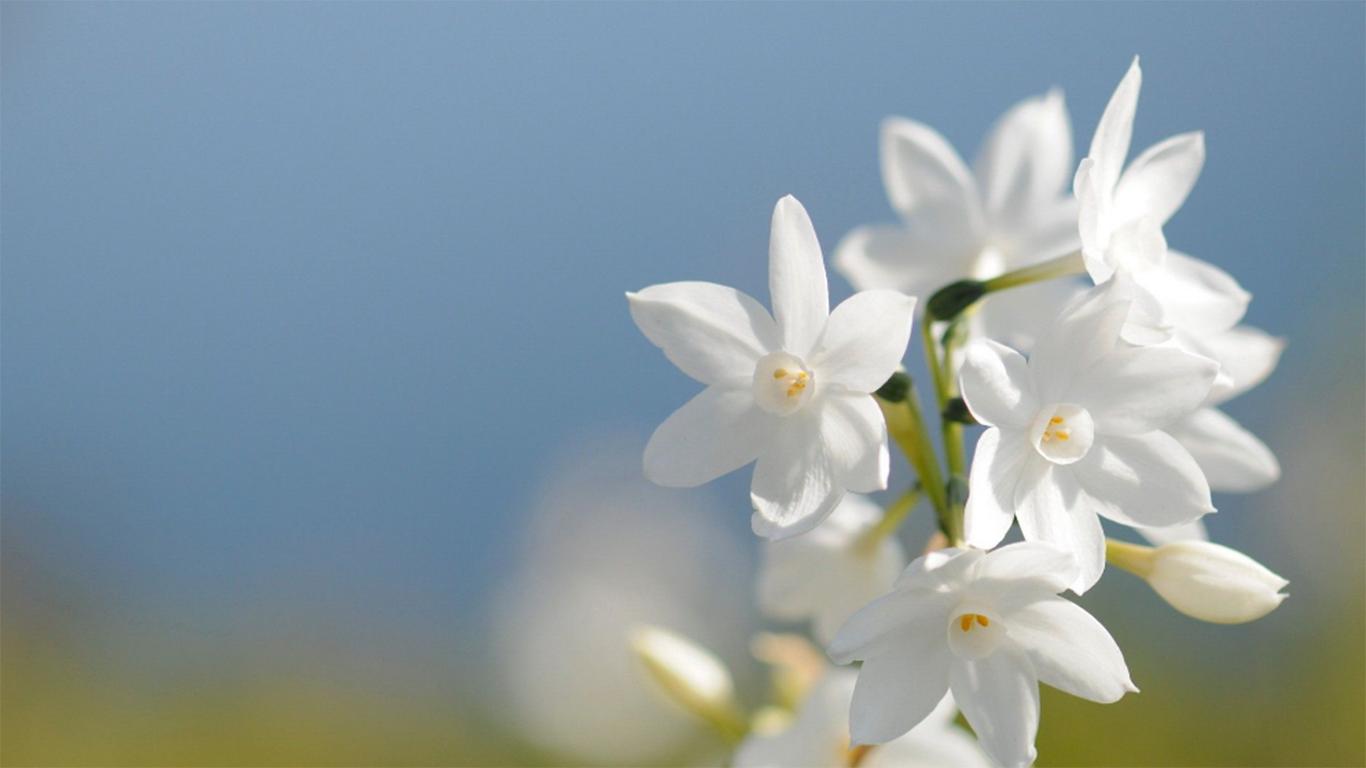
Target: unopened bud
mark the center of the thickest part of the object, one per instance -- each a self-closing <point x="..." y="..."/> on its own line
<point x="1204" y="580"/>
<point x="691" y="676"/>
<point x="950" y="301"/>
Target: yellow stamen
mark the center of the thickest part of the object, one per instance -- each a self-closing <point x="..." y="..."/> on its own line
<point x="983" y="620"/>
<point x="965" y="621"/>
<point x="1055" y="420"/>
<point x="780" y="373"/>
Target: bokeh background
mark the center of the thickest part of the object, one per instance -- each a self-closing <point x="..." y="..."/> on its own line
<point x="322" y="410"/>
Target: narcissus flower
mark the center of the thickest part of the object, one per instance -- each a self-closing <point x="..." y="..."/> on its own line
<point x="987" y="626"/>
<point x="791" y="389"/>
<point x="830" y="572"/>
<point x="1076" y="433"/>
<point x="1011" y="210"/>
<point x="1122" y="211"/>
<point x="818" y="737"/>
<point x="1203" y="580"/>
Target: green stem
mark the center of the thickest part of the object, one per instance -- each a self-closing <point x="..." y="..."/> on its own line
<point x="1134" y="558"/>
<point x="1062" y="266"/>
<point x="906" y="427"/>
<point x="891" y="519"/>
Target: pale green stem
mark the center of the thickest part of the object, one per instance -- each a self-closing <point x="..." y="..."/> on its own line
<point x="941" y="371"/>
<point x="907" y="428"/>
<point x="891" y="519"/>
<point x="1134" y="558"/>
<point x="1062" y="266"/>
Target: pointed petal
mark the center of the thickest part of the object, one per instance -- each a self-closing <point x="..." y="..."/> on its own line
<point x="1246" y="356"/>
<point x="1019" y="316"/>
<point x="914" y="259"/>
<point x="997" y="464"/>
<point x="1047" y="231"/>
<point x="883" y="624"/>
<point x="1052" y="508"/>
<point x="1157" y="182"/>
<point x="1195" y="296"/>
<point x="796" y="277"/>
<point x="716" y="432"/>
<point x="1081" y="334"/>
<point x="864" y="340"/>
<point x="1026" y="161"/>
<point x="1138" y="389"/>
<point x="795" y="483"/>
<point x="1110" y="143"/>
<point x="898" y="689"/>
<point x="920" y="168"/>
<point x="996" y="385"/>
<point x="999" y="696"/>
<point x="1232" y="458"/>
<point x="943" y="570"/>
<point x="713" y="333"/>
<point x="1071" y="651"/>
<point x="1052" y="568"/>
<point x="1144" y="480"/>
<point x="853" y="433"/>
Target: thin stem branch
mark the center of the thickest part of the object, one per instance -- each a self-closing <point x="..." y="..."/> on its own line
<point x="891" y="519"/>
<point x="1062" y="266"/>
<point x="907" y="428"/>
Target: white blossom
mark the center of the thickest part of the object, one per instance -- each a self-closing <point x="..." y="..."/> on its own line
<point x="1011" y="210"/>
<point x="791" y="389"/>
<point x="987" y="626"/>
<point x="1077" y="432"/>
<point x="818" y="736"/>
<point x="830" y="572"/>
<point x="1122" y="211"/>
<point x="1206" y="581"/>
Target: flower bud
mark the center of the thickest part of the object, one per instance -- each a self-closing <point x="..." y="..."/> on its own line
<point x="691" y="676"/>
<point x="950" y="301"/>
<point x="1204" y="580"/>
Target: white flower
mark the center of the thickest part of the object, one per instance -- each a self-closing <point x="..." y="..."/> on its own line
<point x="987" y="626"/>
<point x="791" y="389"/>
<point x="818" y="737"/>
<point x="1011" y="210"/>
<point x="1122" y="211"/>
<point x="1205" y="581"/>
<point x="1076" y="432"/>
<point x="830" y="572"/>
<point x="691" y="675"/>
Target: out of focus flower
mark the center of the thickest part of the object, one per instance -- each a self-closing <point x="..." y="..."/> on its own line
<point x="1011" y="210"/>
<point x="1122" y="211"/>
<point x="987" y="626"/>
<point x="791" y="390"/>
<point x="830" y="572"/>
<point x="689" y="675"/>
<point x="1076" y="432"/>
<point x="1203" y="580"/>
<point x="818" y="737"/>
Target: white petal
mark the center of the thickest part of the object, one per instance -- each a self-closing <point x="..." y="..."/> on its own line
<point x="1144" y="480"/>
<point x="881" y="624"/>
<point x="711" y="332"/>
<point x="945" y="747"/>
<point x="1081" y="334"/>
<point x="1052" y="508"/>
<point x="1092" y="204"/>
<point x="1157" y="182"/>
<point x="796" y="277"/>
<point x="1042" y="233"/>
<point x="997" y="464"/>
<point x="1192" y="531"/>
<point x="1070" y="650"/>
<point x="853" y="434"/>
<point x="795" y="485"/>
<point x="1246" y="356"/>
<point x="1139" y="389"/>
<point x="1232" y="458"/>
<point x="1019" y="316"/>
<point x="1026" y="161"/>
<point x="916" y="259"/>
<point x="1048" y="566"/>
<point x="1195" y="296"/>
<point x="996" y="385"/>
<point x="943" y="570"/>
<point x="1110" y="143"/>
<point x="920" y="168"/>
<point x="864" y="340"/>
<point x="999" y="696"/>
<point x="716" y="432"/>
<point x="899" y="688"/>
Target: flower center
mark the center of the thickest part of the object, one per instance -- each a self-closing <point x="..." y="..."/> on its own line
<point x="1062" y="433"/>
<point x="782" y="383"/>
<point x="974" y="634"/>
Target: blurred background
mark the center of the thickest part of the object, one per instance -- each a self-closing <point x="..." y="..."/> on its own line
<point x="322" y="411"/>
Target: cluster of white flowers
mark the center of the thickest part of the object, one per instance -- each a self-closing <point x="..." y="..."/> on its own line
<point x="1098" y="401"/>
